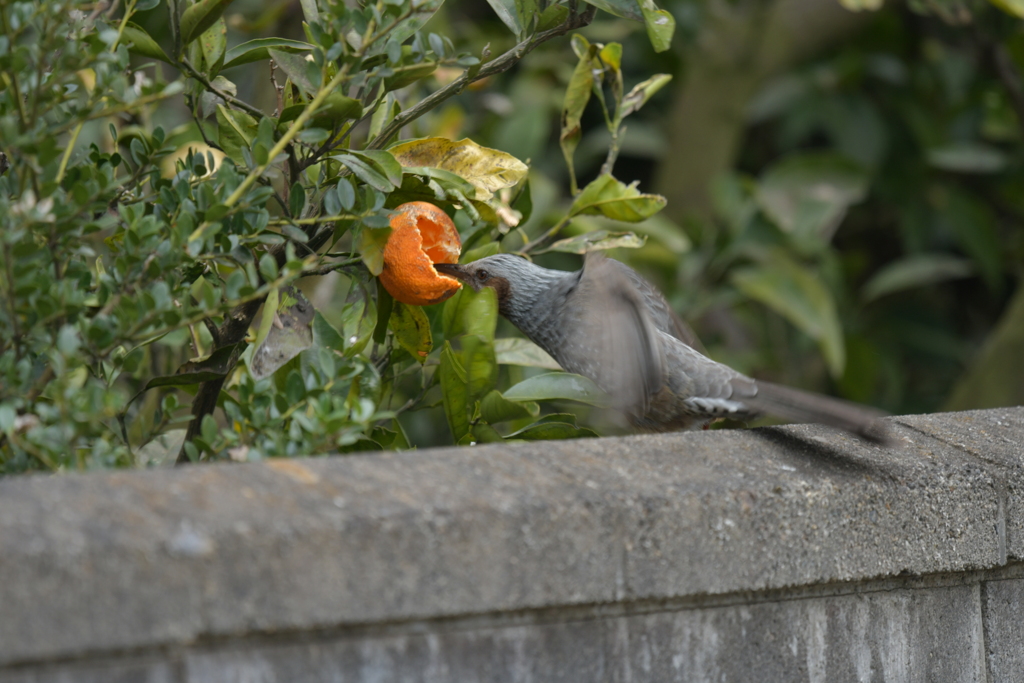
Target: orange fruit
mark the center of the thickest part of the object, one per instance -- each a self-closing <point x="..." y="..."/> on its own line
<point x="422" y="235"/>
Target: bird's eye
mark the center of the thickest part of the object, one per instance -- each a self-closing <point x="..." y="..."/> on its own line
<point x="482" y="275"/>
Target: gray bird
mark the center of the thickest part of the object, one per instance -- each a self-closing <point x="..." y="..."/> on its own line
<point x="607" y="323"/>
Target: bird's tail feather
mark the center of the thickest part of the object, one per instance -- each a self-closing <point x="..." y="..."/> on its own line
<point x="801" y="406"/>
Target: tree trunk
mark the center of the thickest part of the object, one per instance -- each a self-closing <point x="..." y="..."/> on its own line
<point x="741" y="45"/>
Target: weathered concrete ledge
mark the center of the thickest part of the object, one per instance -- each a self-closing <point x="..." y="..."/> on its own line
<point x="796" y="550"/>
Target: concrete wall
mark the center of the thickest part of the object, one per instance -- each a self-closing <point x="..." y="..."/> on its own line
<point x="783" y="554"/>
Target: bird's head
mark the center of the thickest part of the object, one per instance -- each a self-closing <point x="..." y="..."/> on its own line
<point x="518" y="283"/>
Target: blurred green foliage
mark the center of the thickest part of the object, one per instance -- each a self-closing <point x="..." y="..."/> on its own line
<point x="168" y="167"/>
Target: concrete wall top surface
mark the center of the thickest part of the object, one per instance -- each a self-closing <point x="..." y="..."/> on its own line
<point x="115" y="561"/>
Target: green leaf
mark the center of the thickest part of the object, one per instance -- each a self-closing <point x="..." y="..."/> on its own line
<point x="358" y="324"/>
<point x="235" y="131"/>
<point x="516" y="351"/>
<point x="807" y="194"/>
<point x="558" y="385"/>
<point x="385" y="307"/>
<point x="547" y="430"/>
<point x="268" y="267"/>
<point x="472" y="317"/>
<point x="208" y="429"/>
<point x="409" y="74"/>
<point x="384" y="162"/>
<point x="968" y="157"/>
<point x="422" y="10"/>
<point x="577" y="94"/>
<point x="495" y="408"/>
<point x="470" y="312"/>
<point x="663" y="230"/>
<point x="267" y="320"/>
<point x="453" y="389"/>
<point x="310" y="12"/>
<point x="370" y="245"/>
<point x="975" y="226"/>
<point x="346" y="194"/>
<point x="799" y="295"/>
<point x="479" y="361"/>
<point x="609" y="197"/>
<point x="858" y="5"/>
<point x="485" y="433"/>
<point x="142" y="43"/>
<point x="487" y="170"/>
<point x="509" y="14"/>
<point x="200" y="17"/>
<point x="293" y="232"/>
<point x="611" y="56"/>
<point x="366" y="172"/>
<point x="325" y="335"/>
<point x="214" y="42"/>
<point x="641" y="92"/>
<point x="553" y="16"/>
<point x="289" y="335"/>
<point x="489" y="249"/>
<point x="660" y="25"/>
<point x="598" y="240"/>
<point x="523" y="203"/>
<point x="257" y="50"/>
<point x="297" y="200"/>
<point x="295" y="388"/>
<point x="412" y="330"/>
<point x="627" y="9"/>
<point x="7" y="418"/>
<point x="295" y="66"/>
<point x="335" y="109"/>
<point x="731" y="195"/>
<point x="915" y="271"/>
<point x="162" y="449"/>
<point x="446" y="179"/>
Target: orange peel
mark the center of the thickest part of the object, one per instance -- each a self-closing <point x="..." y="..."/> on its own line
<point x="422" y="235"/>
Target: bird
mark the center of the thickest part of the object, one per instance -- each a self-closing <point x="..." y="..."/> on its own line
<point x="609" y="324"/>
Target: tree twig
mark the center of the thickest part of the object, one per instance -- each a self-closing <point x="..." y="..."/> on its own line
<point x="232" y="331"/>
<point x="495" y="66"/>
<point x="236" y="324"/>
<point x="331" y="267"/>
<point x="233" y="101"/>
<point x="533" y="244"/>
<point x="1010" y="78"/>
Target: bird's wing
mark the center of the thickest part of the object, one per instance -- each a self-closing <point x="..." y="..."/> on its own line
<point x="664" y="318"/>
<point x="615" y="338"/>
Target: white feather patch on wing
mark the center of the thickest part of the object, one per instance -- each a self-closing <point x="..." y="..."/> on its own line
<point x="716" y="406"/>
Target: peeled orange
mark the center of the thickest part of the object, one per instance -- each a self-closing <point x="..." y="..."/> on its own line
<point x="422" y="235"/>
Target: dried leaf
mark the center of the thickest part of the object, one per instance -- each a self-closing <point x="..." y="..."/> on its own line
<point x="290" y="334"/>
<point x="488" y="170"/>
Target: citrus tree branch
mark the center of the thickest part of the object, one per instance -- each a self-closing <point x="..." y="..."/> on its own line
<point x="495" y="66"/>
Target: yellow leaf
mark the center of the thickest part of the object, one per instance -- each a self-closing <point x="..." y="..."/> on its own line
<point x="88" y="78"/>
<point x="1014" y="7"/>
<point x="168" y="164"/>
<point x="858" y="5"/>
<point x="488" y="170"/>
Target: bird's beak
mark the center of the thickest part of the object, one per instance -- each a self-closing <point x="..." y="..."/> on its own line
<point x="453" y="270"/>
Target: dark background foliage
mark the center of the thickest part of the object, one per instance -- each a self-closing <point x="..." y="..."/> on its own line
<point x="843" y="214"/>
